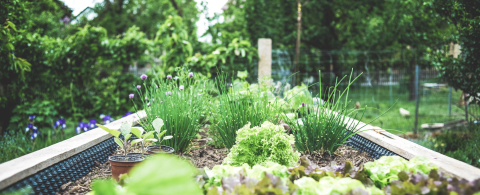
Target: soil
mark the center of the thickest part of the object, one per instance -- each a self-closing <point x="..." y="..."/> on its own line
<point x="205" y="155"/>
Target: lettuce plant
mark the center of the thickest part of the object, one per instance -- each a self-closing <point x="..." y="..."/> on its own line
<point x="433" y="183"/>
<point x="386" y="169"/>
<point x="218" y="172"/>
<point x="258" y="145"/>
<point x="331" y="185"/>
<point x="297" y="96"/>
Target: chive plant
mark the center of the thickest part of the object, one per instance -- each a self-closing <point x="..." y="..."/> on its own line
<point x="323" y="128"/>
<point x="237" y="108"/>
<point x="178" y="102"/>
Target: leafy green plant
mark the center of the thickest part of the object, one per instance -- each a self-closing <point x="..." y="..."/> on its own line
<point x="261" y="144"/>
<point x="386" y="169"/>
<point x="298" y="95"/>
<point x="218" y="172"/>
<point x="142" y="137"/>
<point x="176" y="178"/>
<point x="323" y="128"/>
<point x="237" y="108"/>
<point x="157" y="125"/>
<point x="126" y="132"/>
<point x="432" y="183"/>
<point x="178" y="102"/>
<point x="331" y="185"/>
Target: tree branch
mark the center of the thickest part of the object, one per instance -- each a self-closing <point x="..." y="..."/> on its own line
<point x="179" y="11"/>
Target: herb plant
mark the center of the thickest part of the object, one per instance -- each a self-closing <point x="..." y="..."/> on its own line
<point x="258" y="145"/>
<point x="179" y="102"/>
<point x="142" y="137"/>
<point x="323" y="128"/>
<point x="237" y="108"/>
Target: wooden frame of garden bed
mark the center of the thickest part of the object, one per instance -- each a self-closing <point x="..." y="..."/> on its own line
<point x="17" y="169"/>
<point x="24" y="166"/>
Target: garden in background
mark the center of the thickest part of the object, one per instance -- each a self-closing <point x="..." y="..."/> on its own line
<point x="208" y="104"/>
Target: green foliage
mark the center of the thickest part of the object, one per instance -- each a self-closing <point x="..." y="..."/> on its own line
<point x="297" y="96"/>
<point x="236" y="55"/>
<point x="126" y="132"/>
<point x="462" y="73"/>
<point x="219" y="172"/>
<point x="237" y="108"/>
<point x="460" y="143"/>
<point x="431" y="183"/>
<point x="386" y="169"/>
<point x="330" y="185"/>
<point x="323" y="128"/>
<point x="176" y="178"/>
<point x="261" y="144"/>
<point x="180" y="110"/>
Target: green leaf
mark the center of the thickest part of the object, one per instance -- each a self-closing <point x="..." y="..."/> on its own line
<point x="126" y="128"/>
<point x="137" y="132"/>
<point x="176" y="178"/>
<point x="149" y="135"/>
<point x="157" y="124"/>
<point x="135" y="141"/>
<point x="118" y="141"/>
<point x="115" y="133"/>
<point x="128" y="136"/>
<point x="161" y="134"/>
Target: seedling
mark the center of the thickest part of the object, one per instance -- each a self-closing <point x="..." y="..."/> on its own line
<point x="125" y="130"/>
<point x="142" y="138"/>
<point x="157" y="125"/>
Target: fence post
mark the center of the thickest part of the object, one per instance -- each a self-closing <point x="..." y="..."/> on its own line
<point x="265" y="54"/>
<point x="417" y="72"/>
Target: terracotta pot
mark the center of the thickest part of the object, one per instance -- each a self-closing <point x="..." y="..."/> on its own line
<point x="121" y="165"/>
<point x="155" y="149"/>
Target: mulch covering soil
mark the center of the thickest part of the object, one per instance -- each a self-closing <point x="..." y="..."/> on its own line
<point x="204" y="155"/>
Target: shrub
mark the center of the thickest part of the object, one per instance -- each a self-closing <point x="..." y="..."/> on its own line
<point x="262" y="144"/>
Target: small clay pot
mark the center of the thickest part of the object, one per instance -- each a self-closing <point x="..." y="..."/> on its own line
<point x="155" y="149"/>
<point x="121" y="164"/>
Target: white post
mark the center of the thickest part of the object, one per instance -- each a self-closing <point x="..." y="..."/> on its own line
<point x="265" y="54"/>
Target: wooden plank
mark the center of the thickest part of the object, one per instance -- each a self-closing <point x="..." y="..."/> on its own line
<point x="265" y="54"/>
<point x="17" y="169"/>
<point x="409" y="150"/>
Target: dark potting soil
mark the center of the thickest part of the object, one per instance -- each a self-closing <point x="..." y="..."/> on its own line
<point x="205" y="155"/>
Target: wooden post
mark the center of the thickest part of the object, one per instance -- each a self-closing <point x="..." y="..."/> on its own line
<point x="417" y="99"/>
<point x="265" y="54"/>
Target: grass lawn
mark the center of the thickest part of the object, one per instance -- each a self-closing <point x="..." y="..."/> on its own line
<point x="433" y="107"/>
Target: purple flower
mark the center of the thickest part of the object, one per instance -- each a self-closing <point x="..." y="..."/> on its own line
<point x="156" y="86"/>
<point x="153" y="100"/>
<point x="92" y="124"/>
<point x="29" y="126"/>
<point x="146" y="98"/>
<point x="78" y="129"/>
<point x="148" y="104"/>
<point x="190" y="74"/>
<point x="143" y="77"/>
<point x="31" y="117"/>
<point x="102" y="116"/>
<point x="126" y="114"/>
<point x="106" y="119"/>
<point x="138" y="86"/>
<point x="169" y="93"/>
<point x="169" y="76"/>
<point x="182" y="87"/>
<point x="303" y="104"/>
<point x="231" y="85"/>
<point x="131" y="96"/>
<point x="34" y="135"/>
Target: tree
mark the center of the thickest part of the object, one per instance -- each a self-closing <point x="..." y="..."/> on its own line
<point x="462" y="73"/>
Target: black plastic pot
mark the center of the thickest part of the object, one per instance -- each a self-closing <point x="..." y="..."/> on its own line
<point x="145" y="155"/>
<point x="155" y="149"/>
